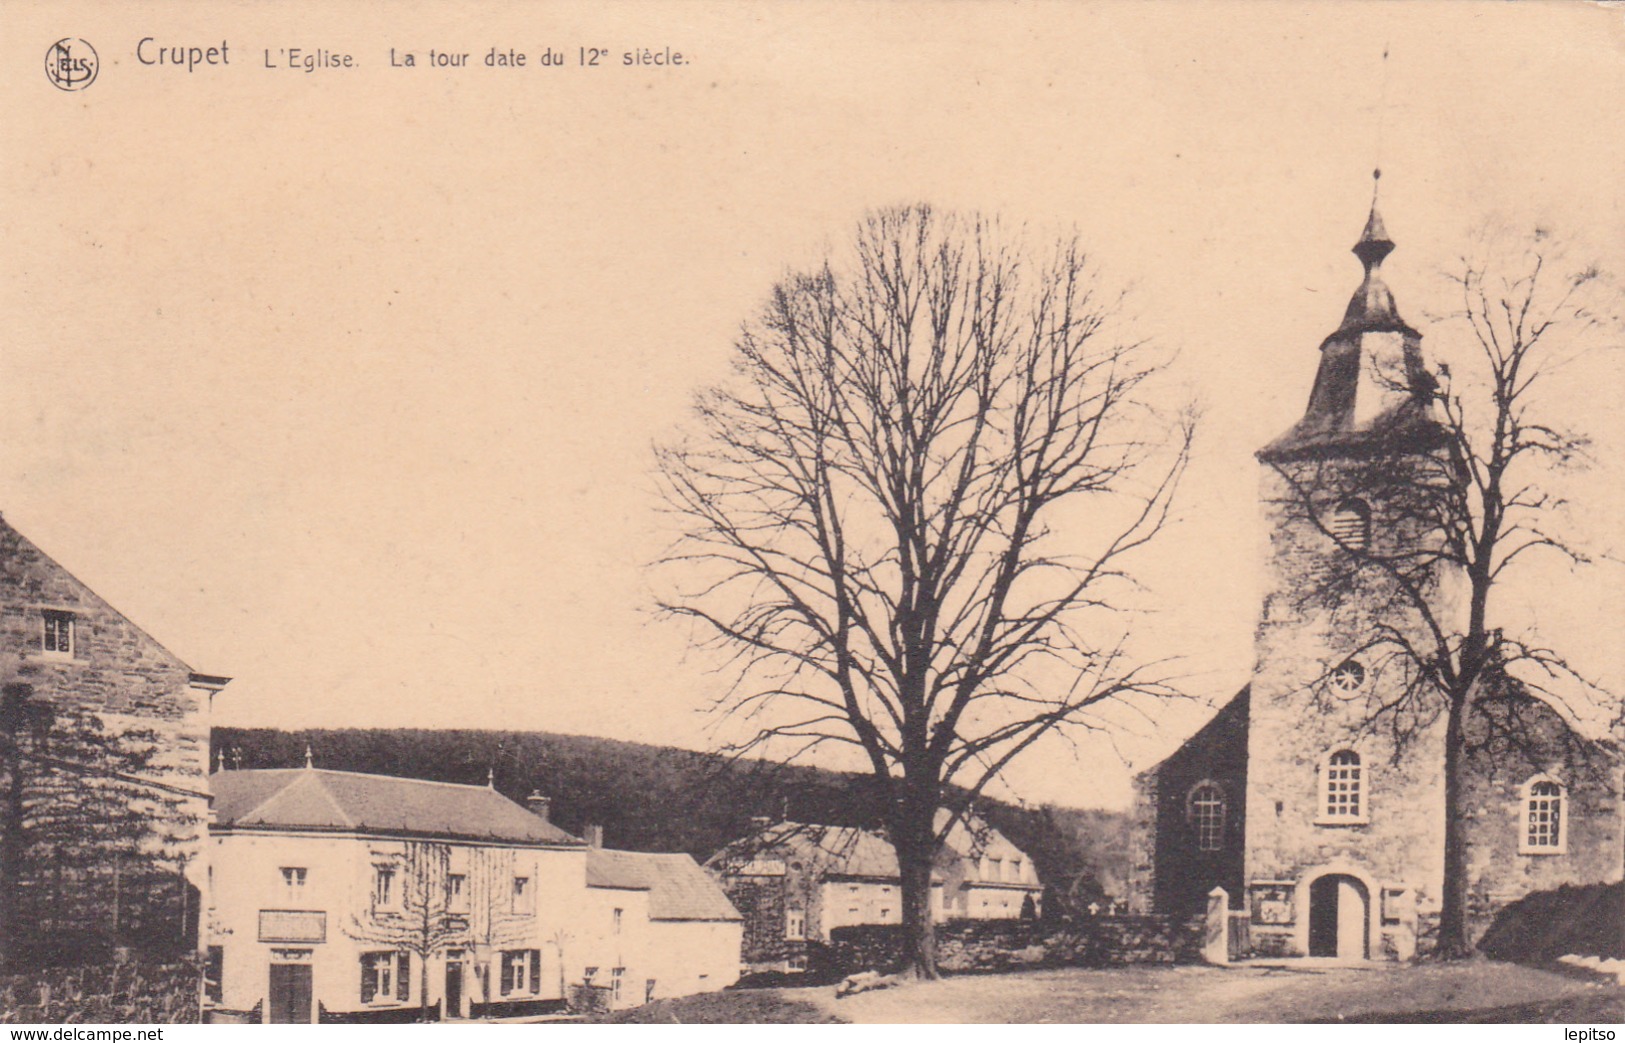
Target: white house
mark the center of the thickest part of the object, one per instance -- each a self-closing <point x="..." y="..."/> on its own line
<point x="663" y="926"/>
<point x="338" y="896"/>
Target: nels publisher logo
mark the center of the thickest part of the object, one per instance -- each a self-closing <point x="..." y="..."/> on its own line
<point x="70" y="64"/>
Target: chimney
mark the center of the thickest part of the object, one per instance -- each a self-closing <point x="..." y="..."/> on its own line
<point x="595" y="836"/>
<point x="759" y="823"/>
<point x="539" y="805"/>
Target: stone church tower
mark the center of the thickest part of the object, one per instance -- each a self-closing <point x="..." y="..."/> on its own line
<point x="1315" y="797"/>
<point x="1344" y="839"/>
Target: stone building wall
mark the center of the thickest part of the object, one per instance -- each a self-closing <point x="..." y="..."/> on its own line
<point x="1505" y="755"/>
<point x="115" y="671"/>
<point x="1318" y="613"/>
<point x="1170" y="872"/>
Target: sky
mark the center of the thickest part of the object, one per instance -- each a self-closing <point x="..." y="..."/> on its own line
<point x="344" y="383"/>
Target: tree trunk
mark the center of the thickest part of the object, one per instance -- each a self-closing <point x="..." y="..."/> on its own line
<point x="423" y="988"/>
<point x="916" y="855"/>
<point x="1454" y="936"/>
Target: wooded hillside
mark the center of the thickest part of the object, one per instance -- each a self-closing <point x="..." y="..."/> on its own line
<point x="658" y="798"/>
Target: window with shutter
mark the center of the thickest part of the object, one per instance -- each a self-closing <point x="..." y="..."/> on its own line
<point x="535" y="970"/>
<point x="1350" y="524"/>
<point x="369" y="979"/>
<point x="403" y="977"/>
<point x="507" y="974"/>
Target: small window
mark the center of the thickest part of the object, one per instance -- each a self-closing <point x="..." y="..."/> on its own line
<point x="58" y="637"/>
<point x="457" y="893"/>
<point x="524" y="899"/>
<point x="293" y="883"/>
<point x="1544" y="822"/>
<point x="383" y="887"/>
<point x="617" y="921"/>
<point x="617" y="976"/>
<point x="1348" y="677"/>
<point x="1350" y="525"/>
<point x="795" y="925"/>
<point x="1343" y="791"/>
<point x="1206" y="812"/>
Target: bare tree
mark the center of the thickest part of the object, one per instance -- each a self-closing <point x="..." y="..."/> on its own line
<point x="1468" y="499"/>
<point x="421" y="921"/>
<point x="866" y="515"/>
<point x="435" y="910"/>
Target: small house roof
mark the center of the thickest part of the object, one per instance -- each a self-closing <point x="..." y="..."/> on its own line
<point x="304" y="799"/>
<point x="678" y="888"/>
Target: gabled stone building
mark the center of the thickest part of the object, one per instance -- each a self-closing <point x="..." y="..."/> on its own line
<point x="104" y="770"/>
<point x="1326" y="833"/>
<point x="795" y="882"/>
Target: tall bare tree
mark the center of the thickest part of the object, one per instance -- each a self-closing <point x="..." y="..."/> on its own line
<point x="867" y="514"/>
<point x="1469" y="499"/>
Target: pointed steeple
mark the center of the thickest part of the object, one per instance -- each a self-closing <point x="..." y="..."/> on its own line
<point x="1371" y="387"/>
<point x="310" y="760"/>
<point x="1372" y="306"/>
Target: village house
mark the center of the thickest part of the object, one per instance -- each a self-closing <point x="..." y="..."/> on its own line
<point x="795" y="882"/>
<point x="1327" y="834"/>
<point x="340" y="896"/>
<point x="660" y="925"/>
<point x="95" y="707"/>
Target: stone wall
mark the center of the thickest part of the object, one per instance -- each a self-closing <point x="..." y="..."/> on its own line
<point x="133" y="992"/>
<point x="1171" y="874"/>
<point x="997" y="945"/>
<point x="117" y="680"/>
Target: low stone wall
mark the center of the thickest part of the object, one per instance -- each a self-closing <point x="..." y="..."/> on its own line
<point x="135" y="992"/>
<point x="994" y="945"/>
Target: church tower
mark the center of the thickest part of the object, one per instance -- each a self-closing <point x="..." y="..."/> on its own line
<point x="1344" y="837"/>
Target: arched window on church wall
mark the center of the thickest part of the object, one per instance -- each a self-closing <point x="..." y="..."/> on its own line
<point x="1205" y="810"/>
<point x="1544" y="826"/>
<point x="1343" y="793"/>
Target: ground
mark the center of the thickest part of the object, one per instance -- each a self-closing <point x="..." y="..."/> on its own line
<point x="1476" y="991"/>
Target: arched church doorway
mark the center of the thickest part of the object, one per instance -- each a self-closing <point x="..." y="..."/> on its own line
<point x="1339" y="917"/>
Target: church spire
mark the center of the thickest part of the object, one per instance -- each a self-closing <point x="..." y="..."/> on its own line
<point x="1371" y="387"/>
<point x="1372" y="306"/>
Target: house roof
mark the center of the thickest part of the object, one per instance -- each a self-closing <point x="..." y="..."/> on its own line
<point x="678" y="888"/>
<point x="349" y="802"/>
<point x="852" y="852"/>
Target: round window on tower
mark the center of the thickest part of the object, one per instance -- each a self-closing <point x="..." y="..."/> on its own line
<point x="1348" y="677"/>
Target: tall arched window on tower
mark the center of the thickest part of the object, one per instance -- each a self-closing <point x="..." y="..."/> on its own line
<point x="1544" y="830"/>
<point x="1350" y="524"/>
<point x="1343" y="795"/>
<point x="1205" y="810"/>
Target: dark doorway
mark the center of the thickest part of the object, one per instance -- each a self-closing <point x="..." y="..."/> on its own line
<point x="454" y="985"/>
<point x="1339" y="917"/>
<point x="290" y="994"/>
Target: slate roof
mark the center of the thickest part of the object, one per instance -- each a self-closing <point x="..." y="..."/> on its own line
<point x="847" y="851"/>
<point x="1331" y="424"/>
<point x="678" y="888"/>
<point x="310" y="799"/>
